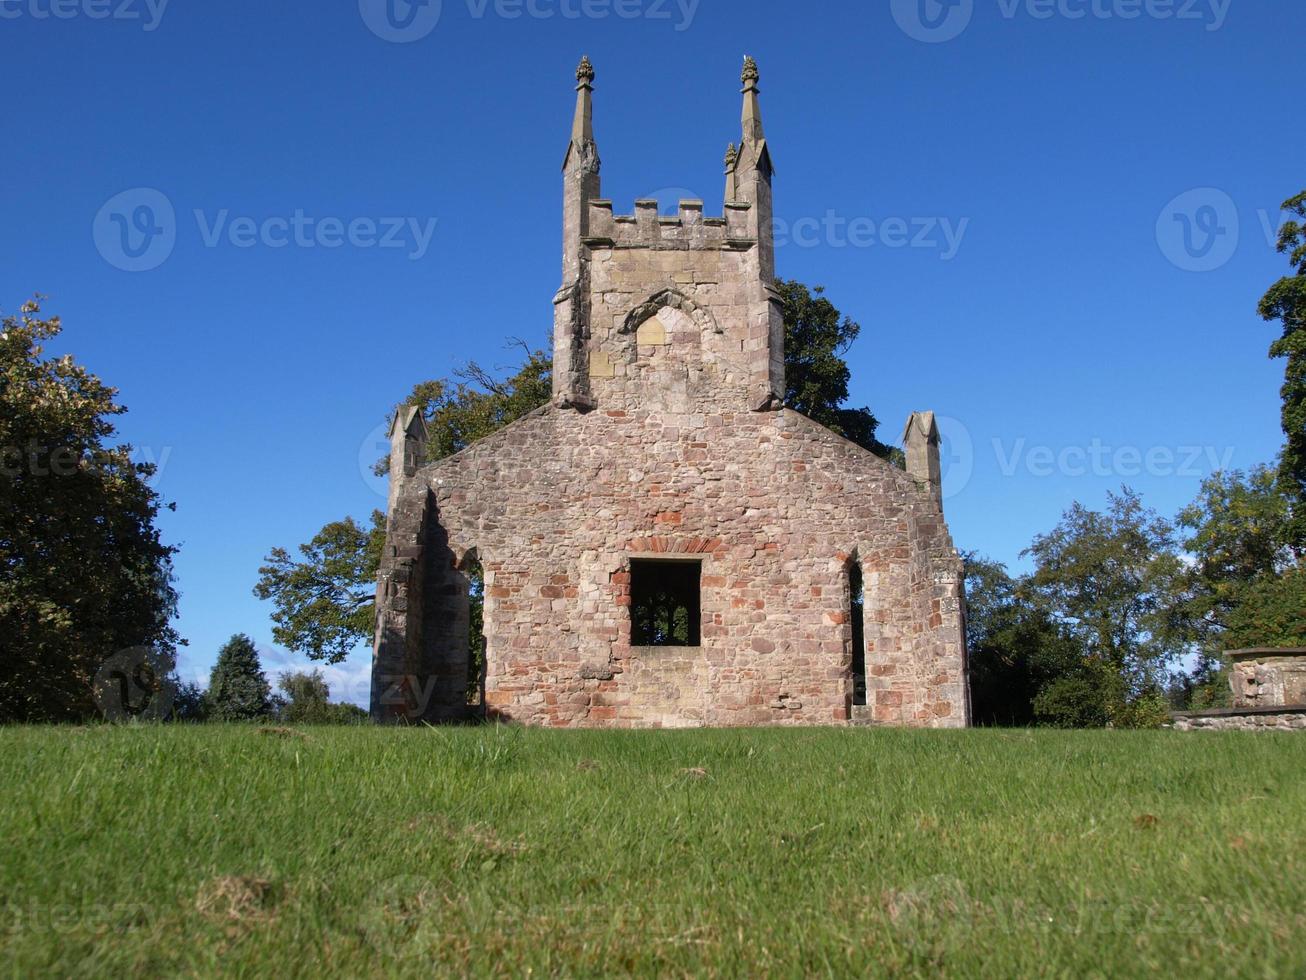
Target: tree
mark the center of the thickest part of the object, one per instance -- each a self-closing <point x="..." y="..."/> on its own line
<point x="308" y="701"/>
<point x="1238" y="587"/>
<point x="1109" y="579"/>
<point x="1017" y="651"/>
<point x="83" y="571"/>
<point x="1241" y="530"/>
<point x="238" y="690"/>
<point x="817" y="336"/>
<point x="1286" y="302"/>
<point x="324" y="601"/>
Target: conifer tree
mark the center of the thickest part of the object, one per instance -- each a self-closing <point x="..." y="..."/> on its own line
<point x="238" y="689"/>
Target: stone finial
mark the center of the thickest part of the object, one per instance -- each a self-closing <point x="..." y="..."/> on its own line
<point x="750" y="74"/>
<point x="582" y="127"/>
<point x="752" y="117"/>
<point x="408" y="438"/>
<point x="732" y="155"/>
<point x="920" y="441"/>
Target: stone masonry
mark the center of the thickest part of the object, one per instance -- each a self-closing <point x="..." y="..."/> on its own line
<point x="667" y="439"/>
<point x="1269" y="693"/>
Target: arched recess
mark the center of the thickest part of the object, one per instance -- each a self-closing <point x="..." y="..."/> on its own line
<point x="674" y="299"/>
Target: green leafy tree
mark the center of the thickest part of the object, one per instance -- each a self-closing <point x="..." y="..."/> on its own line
<point x="83" y="571"/>
<point x="475" y="403"/>
<point x="323" y="600"/>
<point x="1240" y="576"/>
<point x="817" y="336"/>
<point x="1016" y="651"/>
<point x="1286" y="302"/>
<point x="1272" y="613"/>
<point x="1240" y="529"/>
<point x="1109" y="579"/>
<point x="308" y="701"/>
<point x="238" y="689"/>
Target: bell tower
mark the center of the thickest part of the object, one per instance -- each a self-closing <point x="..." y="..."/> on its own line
<point x="668" y="313"/>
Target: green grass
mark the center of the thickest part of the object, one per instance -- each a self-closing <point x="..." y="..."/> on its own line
<point x="367" y="852"/>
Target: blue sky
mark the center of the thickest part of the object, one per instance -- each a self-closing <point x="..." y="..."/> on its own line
<point x="1052" y="218"/>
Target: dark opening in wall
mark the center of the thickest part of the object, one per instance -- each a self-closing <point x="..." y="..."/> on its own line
<point x="475" y="575"/>
<point x="857" y="604"/>
<point x="665" y="603"/>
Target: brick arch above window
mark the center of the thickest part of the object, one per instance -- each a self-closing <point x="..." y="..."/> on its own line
<point x="669" y="298"/>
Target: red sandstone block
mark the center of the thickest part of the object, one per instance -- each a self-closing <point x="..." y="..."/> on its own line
<point x="888" y="698"/>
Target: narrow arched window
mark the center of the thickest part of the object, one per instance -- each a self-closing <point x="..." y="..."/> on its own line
<point x="856" y="619"/>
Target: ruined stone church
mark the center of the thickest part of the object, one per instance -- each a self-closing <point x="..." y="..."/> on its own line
<point x="665" y="544"/>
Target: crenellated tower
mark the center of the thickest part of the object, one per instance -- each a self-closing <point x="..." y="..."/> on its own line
<point x="668" y="313"/>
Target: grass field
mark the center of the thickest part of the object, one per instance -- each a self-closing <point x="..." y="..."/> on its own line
<point x="366" y="852"/>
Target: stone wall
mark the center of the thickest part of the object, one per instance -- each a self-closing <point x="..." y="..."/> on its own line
<point x="774" y="505"/>
<point x="1255" y="721"/>
<point x="1267" y="677"/>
